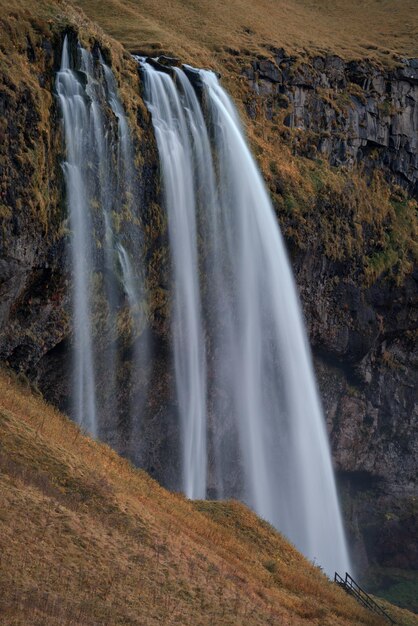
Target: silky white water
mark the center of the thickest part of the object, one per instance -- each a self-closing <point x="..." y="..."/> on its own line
<point x="177" y="163"/>
<point x="125" y="152"/>
<point x="101" y="183"/>
<point x="251" y="424"/>
<point x="233" y="288"/>
<point x="76" y="119"/>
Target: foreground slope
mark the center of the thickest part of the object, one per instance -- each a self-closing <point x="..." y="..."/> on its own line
<point x="86" y="538"/>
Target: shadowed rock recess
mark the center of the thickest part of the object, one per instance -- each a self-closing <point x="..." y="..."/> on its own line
<point x="354" y="118"/>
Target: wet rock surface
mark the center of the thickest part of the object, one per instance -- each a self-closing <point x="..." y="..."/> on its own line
<point x="33" y="294"/>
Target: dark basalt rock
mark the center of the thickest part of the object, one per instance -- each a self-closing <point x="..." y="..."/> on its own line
<point x="161" y="67"/>
<point x="169" y="61"/>
<point x="193" y="76"/>
<point x="366" y="356"/>
<point x="350" y="107"/>
<point x="269" y="70"/>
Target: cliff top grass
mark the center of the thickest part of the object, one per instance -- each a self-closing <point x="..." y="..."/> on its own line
<point x="85" y="538"/>
<point x="382" y="30"/>
<point x="197" y="30"/>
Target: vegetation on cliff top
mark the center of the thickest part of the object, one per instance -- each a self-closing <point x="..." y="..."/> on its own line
<point x="92" y="540"/>
<point x="376" y="29"/>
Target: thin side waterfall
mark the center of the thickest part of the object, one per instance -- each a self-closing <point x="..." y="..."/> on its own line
<point x="125" y="159"/>
<point x="102" y="190"/>
<point x="134" y="291"/>
<point x="101" y="182"/>
<point x="126" y="189"/>
<point x="129" y="281"/>
<point x="76" y="117"/>
<point x="261" y="404"/>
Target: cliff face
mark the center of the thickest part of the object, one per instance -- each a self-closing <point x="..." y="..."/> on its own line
<point x="351" y="238"/>
<point x="33" y="294"/>
<point x="366" y="353"/>
<point x="349" y="112"/>
<point x="360" y="118"/>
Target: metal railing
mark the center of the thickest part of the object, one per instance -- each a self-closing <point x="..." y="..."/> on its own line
<point x="351" y="587"/>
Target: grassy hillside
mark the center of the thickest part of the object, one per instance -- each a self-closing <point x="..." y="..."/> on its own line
<point x="379" y="29"/>
<point x="85" y="538"/>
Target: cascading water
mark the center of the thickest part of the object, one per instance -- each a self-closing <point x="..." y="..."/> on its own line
<point x="76" y="117"/>
<point x="175" y="149"/>
<point x="129" y="281"/>
<point x="265" y="413"/>
<point x="101" y="184"/>
<point x="132" y="287"/>
<point x="125" y="159"/>
<point x="250" y="417"/>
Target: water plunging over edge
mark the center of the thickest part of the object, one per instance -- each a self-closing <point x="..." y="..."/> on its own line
<point x="97" y="137"/>
<point x="250" y="416"/>
<point x="260" y="357"/>
<point x="76" y="122"/>
<point x="176" y="154"/>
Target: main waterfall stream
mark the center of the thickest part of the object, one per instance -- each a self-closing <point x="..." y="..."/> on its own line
<point x="259" y="382"/>
<point x="250" y="419"/>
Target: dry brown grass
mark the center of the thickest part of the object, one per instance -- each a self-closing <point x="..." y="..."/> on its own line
<point x="374" y="28"/>
<point x="85" y="538"/>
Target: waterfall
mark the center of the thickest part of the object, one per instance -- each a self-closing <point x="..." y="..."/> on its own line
<point x="175" y="149"/>
<point x="125" y="158"/>
<point x="252" y="392"/>
<point x="101" y="186"/>
<point x="102" y="189"/>
<point x="250" y="419"/>
<point x="133" y="288"/>
<point x="129" y="281"/>
<point x="76" y="117"/>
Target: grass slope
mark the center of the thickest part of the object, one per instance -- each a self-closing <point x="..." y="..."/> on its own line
<point x="85" y="538"/>
<point x="378" y="29"/>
